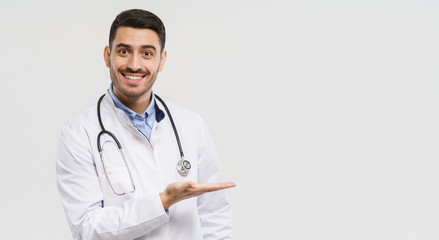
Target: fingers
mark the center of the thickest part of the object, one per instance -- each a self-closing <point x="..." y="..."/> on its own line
<point x="187" y="188"/>
<point x="178" y="191"/>
<point x="210" y="187"/>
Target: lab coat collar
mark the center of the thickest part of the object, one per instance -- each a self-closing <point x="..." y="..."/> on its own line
<point x="108" y="105"/>
<point x="158" y="112"/>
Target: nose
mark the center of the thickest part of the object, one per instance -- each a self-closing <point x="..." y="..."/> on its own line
<point x="134" y="63"/>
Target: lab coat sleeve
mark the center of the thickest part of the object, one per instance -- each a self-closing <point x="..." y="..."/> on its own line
<point x="82" y="196"/>
<point x="214" y="208"/>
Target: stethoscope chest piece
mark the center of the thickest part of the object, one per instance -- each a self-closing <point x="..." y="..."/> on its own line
<point x="183" y="167"/>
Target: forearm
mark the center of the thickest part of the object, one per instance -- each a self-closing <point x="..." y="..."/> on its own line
<point x="133" y="219"/>
<point x="81" y="192"/>
<point x="82" y="199"/>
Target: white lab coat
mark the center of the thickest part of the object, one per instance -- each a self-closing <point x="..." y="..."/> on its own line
<point x="84" y="187"/>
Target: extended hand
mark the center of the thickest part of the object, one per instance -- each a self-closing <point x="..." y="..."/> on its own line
<point x="178" y="191"/>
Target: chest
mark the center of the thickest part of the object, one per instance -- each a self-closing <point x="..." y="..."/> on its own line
<point x="142" y="167"/>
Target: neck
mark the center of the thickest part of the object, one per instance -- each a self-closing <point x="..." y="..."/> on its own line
<point x="137" y="104"/>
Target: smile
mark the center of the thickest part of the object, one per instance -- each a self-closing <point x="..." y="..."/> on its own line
<point x="133" y="77"/>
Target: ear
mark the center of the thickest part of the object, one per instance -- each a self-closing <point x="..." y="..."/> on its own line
<point x="107" y="56"/>
<point x="163" y="60"/>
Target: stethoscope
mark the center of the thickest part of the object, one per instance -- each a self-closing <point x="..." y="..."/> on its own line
<point x="183" y="166"/>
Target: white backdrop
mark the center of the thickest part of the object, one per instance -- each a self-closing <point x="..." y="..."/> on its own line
<point x="325" y="113"/>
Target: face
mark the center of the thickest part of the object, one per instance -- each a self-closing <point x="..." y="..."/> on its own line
<point x="134" y="60"/>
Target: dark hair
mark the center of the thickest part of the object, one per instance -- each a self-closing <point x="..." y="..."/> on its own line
<point x="138" y="18"/>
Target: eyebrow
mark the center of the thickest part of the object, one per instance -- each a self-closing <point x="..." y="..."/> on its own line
<point x="128" y="46"/>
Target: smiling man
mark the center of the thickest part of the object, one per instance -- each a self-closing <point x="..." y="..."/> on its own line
<point x="134" y="56"/>
<point x="133" y="166"/>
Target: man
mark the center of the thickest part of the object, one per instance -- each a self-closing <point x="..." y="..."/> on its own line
<point x="116" y="162"/>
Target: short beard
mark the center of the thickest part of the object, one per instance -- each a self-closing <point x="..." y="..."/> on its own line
<point x="131" y="94"/>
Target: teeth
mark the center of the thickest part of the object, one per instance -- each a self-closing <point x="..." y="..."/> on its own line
<point x="133" y="77"/>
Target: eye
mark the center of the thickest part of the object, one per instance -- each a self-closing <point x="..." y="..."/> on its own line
<point x="123" y="51"/>
<point x="147" y="54"/>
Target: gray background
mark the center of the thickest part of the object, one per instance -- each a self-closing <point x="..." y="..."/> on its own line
<point x="324" y="112"/>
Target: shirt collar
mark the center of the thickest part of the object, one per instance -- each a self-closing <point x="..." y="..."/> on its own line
<point x="131" y="114"/>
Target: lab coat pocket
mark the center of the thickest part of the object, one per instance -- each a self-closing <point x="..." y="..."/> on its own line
<point x="120" y="180"/>
<point x="114" y="171"/>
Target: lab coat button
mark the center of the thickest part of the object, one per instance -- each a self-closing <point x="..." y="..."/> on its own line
<point x="156" y="128"/>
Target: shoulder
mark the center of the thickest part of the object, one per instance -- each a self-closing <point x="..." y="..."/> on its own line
<point x="181" y="113"/>
<point x="79" y="124"/>
<point x="77" y="139"/>
<point x="190" y="125"/>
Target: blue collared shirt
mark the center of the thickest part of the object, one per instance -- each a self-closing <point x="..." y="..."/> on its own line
<point x="143" y="122"/>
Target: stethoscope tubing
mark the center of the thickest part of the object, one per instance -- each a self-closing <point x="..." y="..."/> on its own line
<point x="183" y="166"/>
<point x="173" y="125"/>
